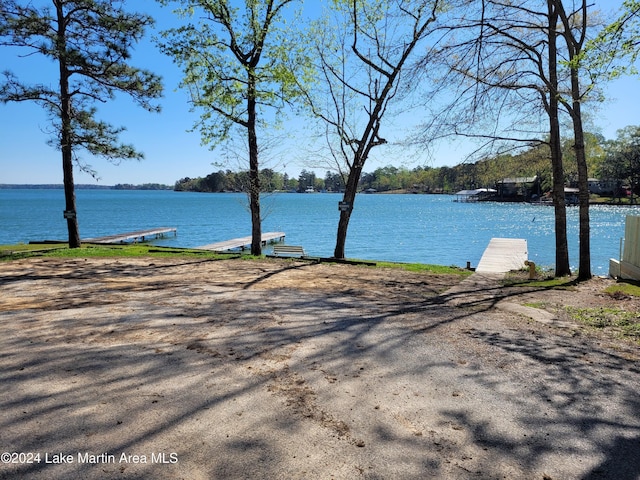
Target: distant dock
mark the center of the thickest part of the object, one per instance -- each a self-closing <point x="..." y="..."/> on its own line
<point x="242" y="242"/>
<point x="135" y="237"/>
<point x="503" y="255"/>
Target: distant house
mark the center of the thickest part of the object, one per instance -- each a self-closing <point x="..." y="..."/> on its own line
<point x="571" y="195"/>
<point x="603" y="187"/>
<point x="477" y="195"/>
<point x="519" y="189"/>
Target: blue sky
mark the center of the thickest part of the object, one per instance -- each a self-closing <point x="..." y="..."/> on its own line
<point x="172" y="153"/>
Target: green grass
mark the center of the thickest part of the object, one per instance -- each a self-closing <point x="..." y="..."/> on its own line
<point x="12" y="252"/>
<point x="624" y="288"/>
<point x="626" y="323"/>
<point x="540" y="305"/>
<point x="424" y="267"/>
<point x="597" y="199"/>
<point x="544" y="280"/>
<point x="562" y="283"/>
<point x="24" y="247"/>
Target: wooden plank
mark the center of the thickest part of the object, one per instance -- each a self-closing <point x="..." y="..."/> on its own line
<point x="242" y="242"/>
<point x="288" y="250"/>
<point x="629" y="271"/>
<point x="137" y="236"/>
<point x="503" y="255"/>
<point x="631" y="251"/>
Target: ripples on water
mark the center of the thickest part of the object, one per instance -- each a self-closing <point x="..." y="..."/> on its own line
<point x="406" y="228"/>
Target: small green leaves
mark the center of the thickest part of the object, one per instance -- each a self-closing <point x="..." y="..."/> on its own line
<point x="91" y="40"/>
<point x="228" y="56"/>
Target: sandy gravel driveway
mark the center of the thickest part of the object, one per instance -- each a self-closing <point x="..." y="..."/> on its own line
<point x="169" y="369"/>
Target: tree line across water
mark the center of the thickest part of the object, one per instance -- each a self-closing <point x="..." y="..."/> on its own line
<point x="615" y="161"/>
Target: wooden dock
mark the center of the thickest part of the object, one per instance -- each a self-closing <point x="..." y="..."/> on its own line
<point x="503" y="255"/>
<point x="135" y="237"/>
<point x="243" y="242"/>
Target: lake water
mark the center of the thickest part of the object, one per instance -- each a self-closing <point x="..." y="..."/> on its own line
<point x="405" y="228"/>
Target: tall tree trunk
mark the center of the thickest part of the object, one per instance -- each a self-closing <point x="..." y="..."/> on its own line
<point x="562" y="249"/>
<point x="254" y="173"/>
<point x="65" y="135"/>
<point x="70" y="212"/>
<point x="349" y="199"/>
<point x="574" y="47"/>
<point x="584" y="268"/>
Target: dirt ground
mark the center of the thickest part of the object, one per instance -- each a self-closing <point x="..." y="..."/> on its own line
<point x="168" y="368"/>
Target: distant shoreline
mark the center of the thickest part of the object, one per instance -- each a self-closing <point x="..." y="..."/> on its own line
<point x="84" y="186"/>
<point x="157" y="187"/>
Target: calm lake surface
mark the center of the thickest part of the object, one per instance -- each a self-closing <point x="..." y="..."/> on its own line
<point x="405" y="228"/>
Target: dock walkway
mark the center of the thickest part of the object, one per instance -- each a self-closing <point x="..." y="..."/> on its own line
<point x="242" y="242"/>
<point x="137" y="236"/>
<point x="484" y="286"/>
<point x="503" y="255"/>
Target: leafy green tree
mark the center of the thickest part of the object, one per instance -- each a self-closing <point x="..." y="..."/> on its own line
<point x="90" y="41"/>
<point x="594" y="151"/>
<point x="333" y="182"/>
<point x="237" y="62"/>
<point x="361" y="55"/>
<point x="215" y="182"/>
<point x="271" y="180"/>
<point x="289" y="183"/>
<point x="306" y="179"/>
<point x="623" y="158"/>
<point x="615" y="50"/>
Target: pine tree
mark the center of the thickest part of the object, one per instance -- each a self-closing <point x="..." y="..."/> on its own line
<point x="90" y="41"/>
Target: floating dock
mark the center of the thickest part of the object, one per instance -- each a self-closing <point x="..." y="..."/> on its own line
<point x="135" y="237"/>
<point x="243" y="242"/>
<point x="503" y="255"/>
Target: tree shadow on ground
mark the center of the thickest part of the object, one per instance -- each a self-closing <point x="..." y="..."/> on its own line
<point x="245" y="382"/>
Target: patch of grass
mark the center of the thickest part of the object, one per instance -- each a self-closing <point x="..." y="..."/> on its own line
<point x="557" y="283"/>
<point x="540" y="305"/>
<point x="629" y="288"/>
<point x="626" y="323"/>
<point x="11" y="252"/>
<point x="27" y="247"/>
<point x="520" y="278"/>
<point x="426" y="268"/>
<point x="100" y="251"/>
